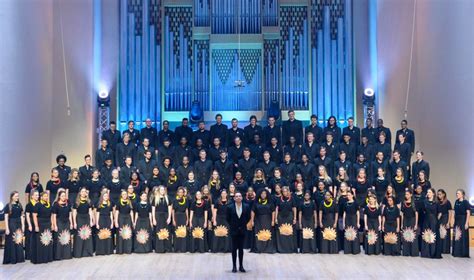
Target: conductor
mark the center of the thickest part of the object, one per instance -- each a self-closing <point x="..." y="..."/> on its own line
<point x="238" y="216"/>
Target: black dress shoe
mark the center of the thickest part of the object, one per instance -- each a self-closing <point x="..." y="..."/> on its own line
<point x="241" y="269"/>
<point x="234" y="269"/>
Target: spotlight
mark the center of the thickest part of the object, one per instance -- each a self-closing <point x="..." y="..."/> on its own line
<point x="369" y="97"/>
<point x="1" y="206"/>
<point x="103" y="94"/>
<point x="368" y="92"/>
<point x="471" y="200"/>
<point x="103" y="98"/>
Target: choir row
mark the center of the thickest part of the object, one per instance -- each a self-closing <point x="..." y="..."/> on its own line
<point x="419" y="223"/>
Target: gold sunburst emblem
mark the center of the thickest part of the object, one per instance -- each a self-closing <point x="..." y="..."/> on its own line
<point x="221" y="231"/>
<point x="264" y="235"/>
<point x="390" y="238"/>
<point x="163" y="234"/>
<point x="308" y="233"/>
<point x="198" y="233"/>
<point x="181" y="232"/>
<point x="329" y="234"/>
<point x="286" y="229"/>
<point x="104" y="233"/>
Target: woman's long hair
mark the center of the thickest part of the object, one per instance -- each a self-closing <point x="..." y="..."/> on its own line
<point x="78" y="198"/>
<point x="72" y="172"/>
<point x="10" y="205"/>
<point x="31" y="179"/>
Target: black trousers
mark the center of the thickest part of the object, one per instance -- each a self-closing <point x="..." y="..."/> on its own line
<point x="238" y="244"/>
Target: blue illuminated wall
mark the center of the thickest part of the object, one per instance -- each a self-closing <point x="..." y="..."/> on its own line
<point x="331" y="58"/>
<point x="178" y="60"/>
<point x="175" y="52"/>
<point x="294" y="62"/>
<point x="230" y="65"/>
<point x="140" y="61"/>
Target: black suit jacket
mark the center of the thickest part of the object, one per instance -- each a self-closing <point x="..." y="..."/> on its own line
<point x="238" y="226"/>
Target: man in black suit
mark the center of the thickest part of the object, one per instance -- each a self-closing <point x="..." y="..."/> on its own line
<point x="238" y="217"/>
<point x="409" y="135"/>
<point x="292" y="127"/>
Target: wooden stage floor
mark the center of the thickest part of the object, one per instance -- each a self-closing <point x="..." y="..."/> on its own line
<point x="258" y="266"/>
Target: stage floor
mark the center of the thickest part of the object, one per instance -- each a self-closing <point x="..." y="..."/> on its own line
<point x="261" y="266"/>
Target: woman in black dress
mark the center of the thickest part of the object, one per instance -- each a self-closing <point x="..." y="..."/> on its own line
<point x="172" y="182"/>
<point x="73" y="185"/>
<point x="419" y="200"/>
<point x="360" y="187"/>
<point x="161" y="215"/>
<point x="276" y="193"/>
<point x="83" y="220"/>
<point x="380" y="184"/>
<point x="104" y="218"/>
<point x="343" y="189"/>
<point x="132" y="195"/>
<point x="399" y="182"/>
<point x="250" y="198"/>
<point x="191" y="184"/>
<point x="123" y="222"/>
<point x="373" y="226"/>
<point x="391" y="228"/>
<point x="138" y="186"/>
<point x="180" y="221"/>
<point x="286" y="217"/>
<point x="232" y="191"/>
<point x="33" y="185"/>
<point x="62" y="225"/>
<point x="409" y="217"/>
<point x="259" y="182"/>
<point x="341" y="178"/>
<point x="95" y="187"/>
<point x="155" y="180"/>
<point x="53" y="185"/>
<point x="221" y="242"/>
<point x="308" y="218"/>
<point x="14" y="231"/>
<point x="390" y="193"/>
<point x="263" y="220"/>
<point x="351" y="224"/>
<point x="445" y="210"/>
<point x="115" y="187"/>
<point x="30" y="243"/>
<point x="215" y="185"/>
<point x="323" y="175"/>
<point x="423" y="181"/>
<point x="43" y="251"/>
<point x="462" y="213"/>
<point x="143" y="224"/>
<point x="328" y="216"/>
<point x="430" y="245"/>
<point x="239" y="183"/>
<point x="198" y="224"/>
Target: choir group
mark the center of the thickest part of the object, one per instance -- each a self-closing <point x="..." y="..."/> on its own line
<point x="311" y="190"/>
